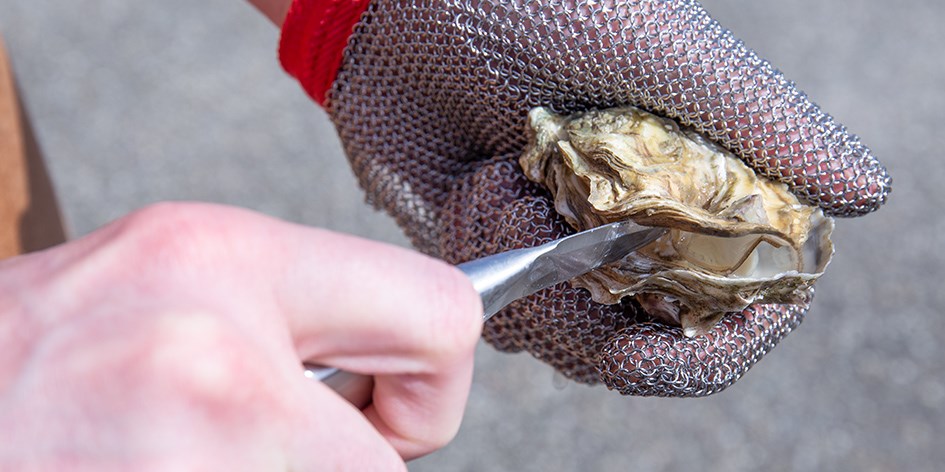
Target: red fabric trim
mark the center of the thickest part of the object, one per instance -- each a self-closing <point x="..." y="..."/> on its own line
<point x="314" y="36"/>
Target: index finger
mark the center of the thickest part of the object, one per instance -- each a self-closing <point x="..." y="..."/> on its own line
<point x="409" y="320"/>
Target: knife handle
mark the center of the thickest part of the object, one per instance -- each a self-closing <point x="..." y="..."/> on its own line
<point x="355" y="388"/>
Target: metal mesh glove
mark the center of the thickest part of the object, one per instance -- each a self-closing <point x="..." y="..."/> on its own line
<point x="430" y="102"/>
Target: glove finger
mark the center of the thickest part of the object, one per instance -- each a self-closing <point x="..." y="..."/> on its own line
<point x="470" y="71"/>
<point x="671" y="58"/>
<point x="657" y="360"/>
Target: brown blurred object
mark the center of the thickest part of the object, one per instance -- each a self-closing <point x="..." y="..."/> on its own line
<point x="29" y="215"/>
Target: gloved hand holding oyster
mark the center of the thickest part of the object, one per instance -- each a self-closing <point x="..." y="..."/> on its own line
<point x="431" y="100"/>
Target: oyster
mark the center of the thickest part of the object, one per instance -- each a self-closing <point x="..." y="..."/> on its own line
<point x="735" y="238"/>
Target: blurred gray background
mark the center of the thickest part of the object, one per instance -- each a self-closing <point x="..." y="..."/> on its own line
<point x="137" y="102"/>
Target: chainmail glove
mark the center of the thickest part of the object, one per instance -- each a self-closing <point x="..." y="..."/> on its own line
<point x="430" y="99"/>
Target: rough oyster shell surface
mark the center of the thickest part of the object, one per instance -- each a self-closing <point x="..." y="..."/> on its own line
<point x="736" y="238"/>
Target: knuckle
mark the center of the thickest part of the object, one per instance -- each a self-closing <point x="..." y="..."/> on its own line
<point x="160" y="215"/>
<point x="166" y="222"/>
<point x="171" y="232"/>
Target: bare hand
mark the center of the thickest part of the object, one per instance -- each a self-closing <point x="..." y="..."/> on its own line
<point x="174" y="338"/>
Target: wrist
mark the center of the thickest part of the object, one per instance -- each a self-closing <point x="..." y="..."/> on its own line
<point x="314" y="36"/>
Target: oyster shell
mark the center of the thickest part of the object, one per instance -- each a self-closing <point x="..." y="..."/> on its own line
<point x="736" y="238"/>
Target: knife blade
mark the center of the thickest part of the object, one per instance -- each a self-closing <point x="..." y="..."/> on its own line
<point x="505" y="277"/>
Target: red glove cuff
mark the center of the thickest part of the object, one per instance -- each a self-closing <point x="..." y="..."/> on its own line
<point x="314" y="36"/>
